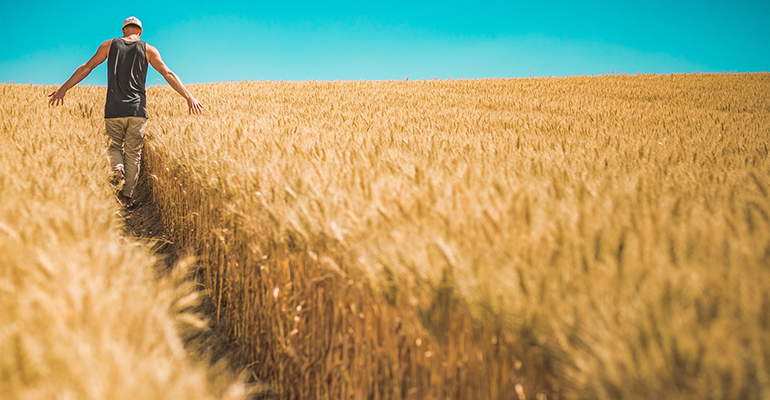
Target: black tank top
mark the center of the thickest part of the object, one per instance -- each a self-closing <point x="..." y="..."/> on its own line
<point x="126" y="78"/>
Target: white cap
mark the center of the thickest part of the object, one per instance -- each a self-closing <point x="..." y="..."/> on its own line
<point x="132" y="21"/>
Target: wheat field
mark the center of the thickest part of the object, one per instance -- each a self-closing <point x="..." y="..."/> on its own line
<point x="566" y="238"/>
<point x="584" y="237"/>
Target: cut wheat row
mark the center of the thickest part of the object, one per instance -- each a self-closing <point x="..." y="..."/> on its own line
<point x="585" y="237"/>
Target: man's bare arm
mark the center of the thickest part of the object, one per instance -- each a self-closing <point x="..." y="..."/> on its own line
<point x="153" y="56"/>
<point x="57" y="97"/>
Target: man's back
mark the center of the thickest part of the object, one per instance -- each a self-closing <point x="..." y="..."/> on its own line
<point x="126" y="79"/>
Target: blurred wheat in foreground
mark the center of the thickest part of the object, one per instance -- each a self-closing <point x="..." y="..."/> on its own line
<point x="82" y="313"/>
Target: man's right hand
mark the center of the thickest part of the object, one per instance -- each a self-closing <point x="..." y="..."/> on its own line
<point x="57" y="97"/>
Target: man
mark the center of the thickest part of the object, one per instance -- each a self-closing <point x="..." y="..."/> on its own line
<point x="125" y="117"/>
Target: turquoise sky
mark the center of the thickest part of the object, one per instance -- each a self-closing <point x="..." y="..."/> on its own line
<point x="213" y="41"/>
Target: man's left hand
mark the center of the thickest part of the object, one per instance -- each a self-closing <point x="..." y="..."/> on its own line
<point x="57" y="97"/>
<point x="194" y="105"/>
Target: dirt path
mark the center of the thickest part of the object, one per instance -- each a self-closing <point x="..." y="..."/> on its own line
<point x="227" y="361"/>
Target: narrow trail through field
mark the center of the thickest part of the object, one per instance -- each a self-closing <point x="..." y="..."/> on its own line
<point x="144" y="224"/>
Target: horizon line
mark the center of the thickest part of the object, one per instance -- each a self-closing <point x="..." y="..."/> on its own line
<point x="408" y="79"/>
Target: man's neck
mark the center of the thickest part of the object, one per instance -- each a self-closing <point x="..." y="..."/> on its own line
<point x="132" y="37"/>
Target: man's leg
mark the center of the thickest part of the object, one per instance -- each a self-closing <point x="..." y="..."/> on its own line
<point x="133" y="145"/>
<point x="116" y="132"/>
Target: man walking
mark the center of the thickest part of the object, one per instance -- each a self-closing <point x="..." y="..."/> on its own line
<point x="125" y="117"/>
